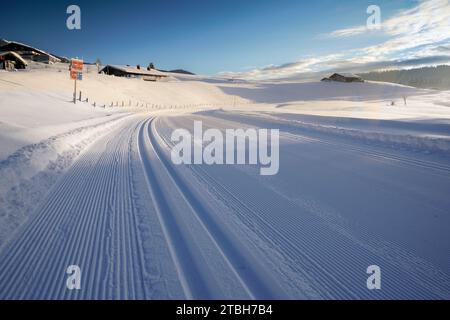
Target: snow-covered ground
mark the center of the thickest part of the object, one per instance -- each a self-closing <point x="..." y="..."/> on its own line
<point x="362" y="181"/>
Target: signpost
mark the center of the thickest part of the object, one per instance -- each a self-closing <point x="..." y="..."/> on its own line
<point x="76" y="73"/>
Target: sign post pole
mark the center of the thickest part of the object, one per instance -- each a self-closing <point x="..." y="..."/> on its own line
<point x="75" y="91"/>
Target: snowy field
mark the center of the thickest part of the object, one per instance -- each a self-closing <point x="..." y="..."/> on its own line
<point x="364" y="179"/>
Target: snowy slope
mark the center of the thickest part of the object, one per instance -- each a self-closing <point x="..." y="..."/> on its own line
<point x="361" y="183"/>
<point x="42" y="131"/>
<point x="226" y="232"/>
<point x="333" y="210"/>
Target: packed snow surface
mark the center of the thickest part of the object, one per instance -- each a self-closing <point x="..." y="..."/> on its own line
<point x="364" y="179"/>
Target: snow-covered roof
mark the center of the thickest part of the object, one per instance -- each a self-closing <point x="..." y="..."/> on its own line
<point x="29" y="47"/>
<point x="17" y="56"/>
<point x="3" y="42"/>
<point x="142" y="71"/>
<point x="347" y="75"/>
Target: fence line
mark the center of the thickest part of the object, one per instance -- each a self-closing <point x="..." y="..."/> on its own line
<point x="115" y="103"/>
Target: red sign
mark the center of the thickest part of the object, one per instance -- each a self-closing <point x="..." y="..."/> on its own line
<point x="76" y="67"/>
<point x="73" y="74"/>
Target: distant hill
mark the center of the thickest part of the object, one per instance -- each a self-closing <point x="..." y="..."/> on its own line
<point x="427" y="78"/>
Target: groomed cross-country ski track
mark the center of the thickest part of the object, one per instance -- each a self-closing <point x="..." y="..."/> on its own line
<point x="140" y="227"/>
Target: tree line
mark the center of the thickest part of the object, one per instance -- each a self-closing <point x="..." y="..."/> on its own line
<point x="427" y="77"/>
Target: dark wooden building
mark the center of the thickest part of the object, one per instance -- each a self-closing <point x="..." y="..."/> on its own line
<point x="10" y="61"/>
<point x="344" y="77"/>
<point x="131" y="72"/>
<point x="28" y="52"/>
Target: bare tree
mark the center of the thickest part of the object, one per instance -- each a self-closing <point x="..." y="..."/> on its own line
<point x="98" y="63"/>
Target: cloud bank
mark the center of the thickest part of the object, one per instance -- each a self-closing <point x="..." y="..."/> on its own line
<point x="416" y="37"/>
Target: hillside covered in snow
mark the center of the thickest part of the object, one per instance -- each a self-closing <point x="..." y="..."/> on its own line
<point x="364" y="174"/>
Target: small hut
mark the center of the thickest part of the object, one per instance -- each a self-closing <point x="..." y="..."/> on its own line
<point x="11" y="61"/>
<point x="344" y="77"/>
<point x="130" y="72"/>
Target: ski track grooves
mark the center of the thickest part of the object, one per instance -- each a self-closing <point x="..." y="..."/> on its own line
<point x="252" y="275"/>
<point x="68" y="231"/>
<point x="318" y="264"/>
<point x="270" y="234"/>
<point x="298" y="132"/>
<point x="90" y="218"/>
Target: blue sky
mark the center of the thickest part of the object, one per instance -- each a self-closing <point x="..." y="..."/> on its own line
<point x="205" y="37"/>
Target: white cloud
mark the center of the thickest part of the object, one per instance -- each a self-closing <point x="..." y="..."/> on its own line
<point x="417" y="34"/>
<point x="349" y="32"/>
<point x="428" y="16"/>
